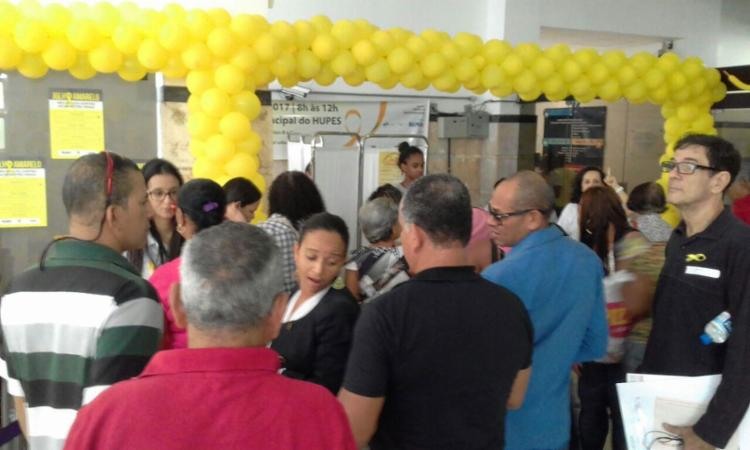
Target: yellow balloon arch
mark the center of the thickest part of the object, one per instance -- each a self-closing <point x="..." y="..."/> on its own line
<point x="223" y="58"/>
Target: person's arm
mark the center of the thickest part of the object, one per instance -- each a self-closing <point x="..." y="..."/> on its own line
<point x="594" y="343"/>
<point x="352" y="283"/>
<point x="518" y="391"/>
<point x="129" y="337"/>
<point x="19" y="403"/>
<point x="363" y="413"/>
<point x="732" y="397"/>
<point x="611" y="181"/>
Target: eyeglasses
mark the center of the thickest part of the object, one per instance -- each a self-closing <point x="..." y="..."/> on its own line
<point x="159" y="195"/>
<point x="500" y="217"/>
<point x="684" y="167"/>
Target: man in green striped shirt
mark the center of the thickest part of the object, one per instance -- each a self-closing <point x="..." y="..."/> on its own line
<point x="84" y="318"/>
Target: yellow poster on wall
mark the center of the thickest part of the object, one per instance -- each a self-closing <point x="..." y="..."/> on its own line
<point x="23" y="184"/>
<point x="388" y="170"/>
<point x="76" y="122"/>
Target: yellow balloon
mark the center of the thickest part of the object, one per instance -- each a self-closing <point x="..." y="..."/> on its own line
<point x="446" y="82"/>
<point x="248" y="27"/>
<point x="365" y="52"/>
<point x="321" y="23"/>
<point x="82" y="69"/>
<point x="10" y="54"/>
<point x="32" y="66"/>
<point x="528" y="52"/>
<point x="235" y="126"/>
<point x="468" y="44"/>
<point x="659" y="95"/>
<point x="383" y="41"/>
<point x="356" y="77"/>
<point x="194" y="103"/>
<point x="59" y="55"/>
<point x="452" y="52"/>
<point x="613" y="59"/>
<point x="219" y="16"/>
<point x="692" y="68"/>
<point x="496" y="50"/>
<point x="174" y="36"/>
<point x="400" y="60"/>
<point x="221" y="42"/>
<point x="105" y="58"/>
<point x="151" y="55"/>
<point x="654" y="78"/>
<point x="412" y="78"/>
<point x="636" y="93"/>
<point x="174" y="68"/>
<point x="197" y="148"/>
<point x="56" y="19"/>
<point x="131" y="70"/>
<point x="285" y="65"/>
<point x="215" y="102"/>
<point x="251" y="145"/>
<point x="83" y="35"/>
<point x="586" y="57"/>
<point x="197" y="56"/>
<point x="343" y="64"/>
<point x="305" y="33"/>
<point x="199" y="23"/>
<point x="677" y="81"/>
<point x="219" y="148"/>
<point x="203" y="167"/>
<point x="201" y="125"/>
<point x="199" y="81"/>
<point x="492" y="76"/>
<point x="246" y="59"/>
<point x="266" y="47"/>
<point x="642" y="62"/>
<point x="9" y="16"/>
<point x="598" y="73"/>
<point x="626" y="75"/>
<point x="610" y="91"/>
<point x="308" y="65"/>
<point x="581" y="88"/>
<point x="127" y="39"/>
<point x="325" y="47"/>
<point x="229" y="78"/>
<point x="543" y="67"/>
<point x="466" y="70"/>
<point x="687" y="113"/>
<point x="242" y="165"/>
<point x="525" y="82"/>
<point x="558" y="53"/>
<point x="285" y="33"/>
<point x="512" y="65"/>
<point x="31" y="36"/>
<point x="247" y="103"/>
<point x="503" y="89"/>
<point x="262" y="75"/>
<point x="570" y="71"/>
<point x="668" y="62"/>
<point x="418" y="47"/>
<point x="379" y="71"/>
<point x="554" y="88"/>
<point x="326" y="76"/>
<point x="433" y="65"/>
<point x="345" y="33"/>
<point x="530" y="96"/>
<point x="106" y="17"/>
<point x="259" y="182"/>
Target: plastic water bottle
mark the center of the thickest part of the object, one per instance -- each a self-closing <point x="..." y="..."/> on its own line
<point x="718" y="329"/>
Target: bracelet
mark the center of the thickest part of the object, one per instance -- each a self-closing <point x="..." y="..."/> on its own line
<point x="619" y="190"/>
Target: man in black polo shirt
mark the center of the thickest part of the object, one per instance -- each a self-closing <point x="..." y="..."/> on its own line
<point x="436" y="361"/>
<point x="707" y="271"/>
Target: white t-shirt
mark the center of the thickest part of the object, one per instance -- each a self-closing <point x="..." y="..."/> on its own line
<point x="568" y="221"/>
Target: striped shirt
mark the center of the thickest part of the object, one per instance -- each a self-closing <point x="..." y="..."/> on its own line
<point x="71" y="330"/>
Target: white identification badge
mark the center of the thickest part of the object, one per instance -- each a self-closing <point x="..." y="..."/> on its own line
<point x="702" y="271"/>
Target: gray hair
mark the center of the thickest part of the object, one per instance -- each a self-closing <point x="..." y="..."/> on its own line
<point x="532" y="192"/>
<point x="377" y="218"/>
<point x="230" y="275"/>
<point x="441" y="206"/>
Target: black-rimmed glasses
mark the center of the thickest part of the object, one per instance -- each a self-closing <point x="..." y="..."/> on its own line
<point x="684" y="167"/>
<point x="500" y="217"/>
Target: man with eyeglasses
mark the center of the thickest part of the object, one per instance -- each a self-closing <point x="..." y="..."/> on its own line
<point x="84" y="318"/>
<point x="559" y="280"/>
<point x="706" y="272"/>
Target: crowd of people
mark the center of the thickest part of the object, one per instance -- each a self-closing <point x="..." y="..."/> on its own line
<point x="453" y="327"/>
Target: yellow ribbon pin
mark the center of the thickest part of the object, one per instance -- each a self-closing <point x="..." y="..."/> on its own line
<point x="695" y="257"/>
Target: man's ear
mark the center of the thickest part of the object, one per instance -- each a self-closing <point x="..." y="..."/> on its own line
<point x="175" y="304"/>
<point x="273" y="321"/>
<point x="720" y="181"/>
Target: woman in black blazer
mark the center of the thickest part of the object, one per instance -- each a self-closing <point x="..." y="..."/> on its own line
<point x="318" y="323"/>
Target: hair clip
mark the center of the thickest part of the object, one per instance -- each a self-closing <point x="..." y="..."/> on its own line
<point x="210" y="206"/>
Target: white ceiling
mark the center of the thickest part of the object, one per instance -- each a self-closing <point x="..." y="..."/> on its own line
<point x="597" y="39"/>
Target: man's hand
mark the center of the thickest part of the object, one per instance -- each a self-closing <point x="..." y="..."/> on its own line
<point x="690" y="440"/>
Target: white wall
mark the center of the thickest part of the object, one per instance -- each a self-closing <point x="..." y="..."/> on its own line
<point x="734" y="40"/>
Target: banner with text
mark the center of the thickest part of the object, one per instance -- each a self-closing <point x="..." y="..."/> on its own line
<point x="295" y="120"/>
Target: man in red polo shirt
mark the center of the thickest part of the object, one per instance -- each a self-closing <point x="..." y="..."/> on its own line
<point x="224" y="390"/>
